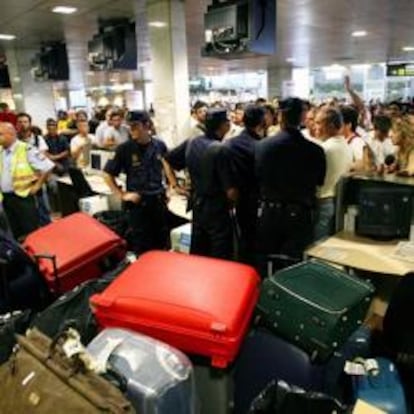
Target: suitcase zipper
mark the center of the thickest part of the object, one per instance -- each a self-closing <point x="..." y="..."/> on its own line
<point x="309" y="302"/>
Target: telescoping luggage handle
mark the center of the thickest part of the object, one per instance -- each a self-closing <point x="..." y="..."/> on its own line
<point x="52" y="258"/>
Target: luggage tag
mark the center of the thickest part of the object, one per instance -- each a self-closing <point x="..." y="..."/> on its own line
<point x="361" y="367"/>
<point x="73" y="346"/>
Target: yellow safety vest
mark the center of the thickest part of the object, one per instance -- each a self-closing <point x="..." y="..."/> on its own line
<point x="23" y="174"/>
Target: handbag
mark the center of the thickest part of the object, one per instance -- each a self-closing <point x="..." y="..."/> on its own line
<point x="44" y="375"/>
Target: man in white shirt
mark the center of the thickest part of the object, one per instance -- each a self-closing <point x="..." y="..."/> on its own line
<point x="380" y="143"/>
<point x="100" y="131"/>
<point x="115" y="134"/>
<point x="358" y="146"/>
<point x="198" y="118"/>
<point x="81" y="144"/>
<point x="329" y="124"/>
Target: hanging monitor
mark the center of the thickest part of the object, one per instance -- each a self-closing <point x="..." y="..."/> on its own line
<point x="240" y="29"/>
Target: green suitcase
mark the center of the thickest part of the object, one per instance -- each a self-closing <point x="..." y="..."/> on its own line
<point x="314" y="306"/>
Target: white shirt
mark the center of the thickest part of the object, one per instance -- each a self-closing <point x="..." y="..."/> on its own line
<point x="381" y="149"/>
<point x="99" y="133"/>
<point x="234" y="131"/>
<point x="85" y="142"/>
<point x="357" y="145"/>
<point x="119" y="135"/>
<point x="37" y="160"/>
<point x="42" y="146"/>
<point x="338" y="162"/>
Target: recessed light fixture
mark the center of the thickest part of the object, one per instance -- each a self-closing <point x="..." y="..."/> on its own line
<point x="157" y="24"/>
<point x="64" y="9"/>
<point x="359" y="33"/>
<point x="290" y="59"/>
<point x="7" y="36"/>
<point x="408" y="49"/>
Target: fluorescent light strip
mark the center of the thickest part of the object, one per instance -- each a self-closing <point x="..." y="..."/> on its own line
<point x="64" y="9"/>
<point x="157" y="24"/>
<point x="7" y="37"/>
<point x="359" y="33"/>
<point x="408" y="49"/>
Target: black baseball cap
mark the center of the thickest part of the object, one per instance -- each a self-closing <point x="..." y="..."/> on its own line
<point x="138" y="116"/>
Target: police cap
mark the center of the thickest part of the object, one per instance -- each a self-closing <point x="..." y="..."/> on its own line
<point x="214" y="118"/>
<point x="138" y="116"/>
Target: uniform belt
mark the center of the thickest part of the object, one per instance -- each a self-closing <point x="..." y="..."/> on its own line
<point x="283" y="204"/>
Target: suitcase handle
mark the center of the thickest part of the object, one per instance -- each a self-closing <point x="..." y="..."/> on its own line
<point x="51" y="258"/>
<point x="309" y="302"/>
<point x="4" y="281"/>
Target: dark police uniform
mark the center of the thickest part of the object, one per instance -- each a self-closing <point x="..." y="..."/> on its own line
<point x="143" y="167"/>
<point x="212" y="232"/>
<point x="203" y="156"/>
<point x="241" y="152"/>
<point x="289" y="169"/>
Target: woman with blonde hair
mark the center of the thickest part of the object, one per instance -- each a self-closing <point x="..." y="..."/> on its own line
<point x="402" y="135"/>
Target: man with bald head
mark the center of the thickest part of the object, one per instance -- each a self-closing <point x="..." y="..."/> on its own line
<point x="23" y="171"/>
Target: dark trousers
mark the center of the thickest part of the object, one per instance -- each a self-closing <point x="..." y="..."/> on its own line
<point x="284" y="229"/>
<point x="42" y="207"/>
<point x="212" y="232"/>
<point x="148" y="224"/>
<point x="246" y="214"/>
<point x="22" y="214"/>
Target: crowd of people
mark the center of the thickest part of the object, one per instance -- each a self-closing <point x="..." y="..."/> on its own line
<point x="261" y="177"/>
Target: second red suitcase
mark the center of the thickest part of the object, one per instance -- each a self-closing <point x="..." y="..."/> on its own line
<point x="200" y="305"/>
<point x="73" y="250"/>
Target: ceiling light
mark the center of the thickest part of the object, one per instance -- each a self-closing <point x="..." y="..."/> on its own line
<point x="7" y="37"/>
<point x="290" y="60"/>
<point x="157" y="24"/>
<point x="64" y="9"/>
<point x="359" y="33"/>
<point x="408" y="49"/>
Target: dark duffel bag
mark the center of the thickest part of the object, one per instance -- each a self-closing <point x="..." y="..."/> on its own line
<point x="50" y="376"/>
<point x="11" y="324"/>
<point x="115" y="220"/>
<point x="72" y="309"/>
<point x="315" y="306"/>
<point x="281" y="398"/>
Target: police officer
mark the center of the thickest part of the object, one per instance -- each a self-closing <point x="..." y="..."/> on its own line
<point x="241" y="152"/>
<point x="23" y="171"/>
<point x="142" y="160"/>
<point x="289" y="169"/>
<point x="212" y="188"/>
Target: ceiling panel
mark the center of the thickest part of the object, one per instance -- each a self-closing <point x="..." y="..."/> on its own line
<point x="313" y="32"/>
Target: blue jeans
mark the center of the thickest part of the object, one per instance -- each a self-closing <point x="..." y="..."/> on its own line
<point x="325" y="219"/>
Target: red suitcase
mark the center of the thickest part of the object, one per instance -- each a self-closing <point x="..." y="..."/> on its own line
<point x="200" y="305"/>
<point x="73" y="250"/>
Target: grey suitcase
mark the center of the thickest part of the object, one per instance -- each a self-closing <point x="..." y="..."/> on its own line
<point x="159" y="378"/>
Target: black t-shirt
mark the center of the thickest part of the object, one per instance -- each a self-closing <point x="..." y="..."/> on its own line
<point x="142" y="165"/>
<point x="290" y="168"/>
<point x="57" y="144"/>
